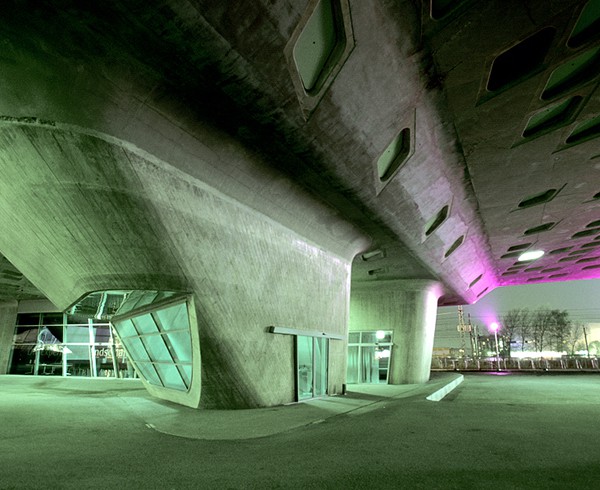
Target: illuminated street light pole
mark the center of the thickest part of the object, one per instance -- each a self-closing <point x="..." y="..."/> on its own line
<point x="494" y="326"/>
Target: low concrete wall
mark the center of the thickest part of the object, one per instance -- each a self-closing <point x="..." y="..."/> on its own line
<point x="442" y="392"/>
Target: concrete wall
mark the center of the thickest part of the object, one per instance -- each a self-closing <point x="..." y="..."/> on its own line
<point x="112" y="218"/>
<point x="109" y="181"/>
<point x="408" y="308"/>
<point x="8" y="319"/>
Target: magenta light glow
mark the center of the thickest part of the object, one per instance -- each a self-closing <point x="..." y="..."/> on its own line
<point x="494" y="326"/>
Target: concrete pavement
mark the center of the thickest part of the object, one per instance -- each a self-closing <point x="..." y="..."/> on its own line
<point x="508" y="431"/>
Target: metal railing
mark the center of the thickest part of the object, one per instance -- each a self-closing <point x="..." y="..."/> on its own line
<point x="517" y="364"/>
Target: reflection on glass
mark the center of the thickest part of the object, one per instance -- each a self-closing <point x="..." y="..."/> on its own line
<point x="320" y="365"/>
<point x="181" y="346"/>
<point x="173" y="318"/>
<point x="144" y="323"/>
<point x="369" y="337"/>
<point x="352" y="368"/>
<point x="156" y="348"/>
<point x="312" y="355"/>
<point x="369" y="366"/>
<point x="369" y="356"/>
<point x="305" y="365"/>
<point x="170" y="376"/>
<point x="57" y="344"/>
<point x="158" y="341"/>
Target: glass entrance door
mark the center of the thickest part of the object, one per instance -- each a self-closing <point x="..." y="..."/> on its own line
<point x="311" y="366"/>
<point x="369" y="356"/>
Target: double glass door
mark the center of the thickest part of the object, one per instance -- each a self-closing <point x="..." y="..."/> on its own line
<point x="311" y="366"/>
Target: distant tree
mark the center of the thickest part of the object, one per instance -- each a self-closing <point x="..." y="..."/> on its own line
<point x="574" y="338"/>
<point x="560" y="329"/>
<point x="516" y="325"/>
<point x="550" y="328"/>
<point x="541" y="324"/>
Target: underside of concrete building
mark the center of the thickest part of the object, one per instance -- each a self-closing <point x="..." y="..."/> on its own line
<point x="235" y="186"/>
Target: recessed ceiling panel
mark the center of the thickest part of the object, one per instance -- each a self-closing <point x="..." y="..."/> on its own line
<point x="520" y="61"/>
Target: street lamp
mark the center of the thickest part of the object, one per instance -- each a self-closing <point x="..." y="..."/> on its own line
<point x="494" y="326"/>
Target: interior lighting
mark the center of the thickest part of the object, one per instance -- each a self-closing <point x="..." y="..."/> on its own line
<point x="380" y="334"/>
<point x="531" y="255"/>
<point x="382" y="354"/>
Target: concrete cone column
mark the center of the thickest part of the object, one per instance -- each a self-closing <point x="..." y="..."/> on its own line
<point x="8" y="319"/>
<point x="409" y="309"/>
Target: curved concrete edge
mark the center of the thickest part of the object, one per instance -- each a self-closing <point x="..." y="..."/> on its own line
<point x="436" y="396"/>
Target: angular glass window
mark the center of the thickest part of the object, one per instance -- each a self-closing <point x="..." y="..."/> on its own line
<point x="522" y="246"/>
<point x="540" y="228"/>
<point x="553" y="117"/>
<point x="584" y="233"/>
<point x="435" y="222"/>
<point x="475" y="281"/>
<point x="589" y="259"/>
<point x="319" y="45"/>
<point x="457" y="243"/>
<point x="588" y="25"/>
<point x="540" y="198"/>
<point x="511" y="254"/>
<point x="160" y="334"/>
<point x="591" y="245"/>
<point x="394" y="155"/>
<point x="520" y="61"/>
<point x="584" y="132"/>
<point x="576" y="72"/>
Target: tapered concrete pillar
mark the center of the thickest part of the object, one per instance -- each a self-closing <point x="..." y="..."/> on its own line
<point x="8" y="318"/>
<point x="406" y="307"/>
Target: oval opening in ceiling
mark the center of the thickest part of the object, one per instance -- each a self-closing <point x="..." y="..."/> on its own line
<point x="540" y="228"/>
<point x="394" y="155"/>
<point x="435" y="222"/>
<point x="457" y="243"/>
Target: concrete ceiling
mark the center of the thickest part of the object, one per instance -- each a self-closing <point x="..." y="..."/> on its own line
<point x="465" y="80"/>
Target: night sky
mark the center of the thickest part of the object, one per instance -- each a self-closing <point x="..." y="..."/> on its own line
<point x="580" y="298"/>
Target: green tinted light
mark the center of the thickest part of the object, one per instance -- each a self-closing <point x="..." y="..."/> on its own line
<point x="316" y="45"/>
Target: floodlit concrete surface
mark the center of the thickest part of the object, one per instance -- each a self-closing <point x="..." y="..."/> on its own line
<point x="508" y="431"/>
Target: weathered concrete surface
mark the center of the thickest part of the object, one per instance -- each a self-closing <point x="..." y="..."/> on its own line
<point x="112" y="218"/>
<point x="211" y="95"/>
<point x="263" y="209"/>
<point x="183" y="84"/>
<point x="408" y="309"/>
<point x="525" y="432"/>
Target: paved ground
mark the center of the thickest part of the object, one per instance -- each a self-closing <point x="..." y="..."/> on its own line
<point x="514" y="431"/>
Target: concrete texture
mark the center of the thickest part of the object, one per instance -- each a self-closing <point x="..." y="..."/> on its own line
<point x="141" y="224"/>
<point x="8" y="320"/>
<point x="213" y="97"/>
<point x="161" y="144"/>
<point x="511" y="432"/>
<point x="409" y="309"/>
